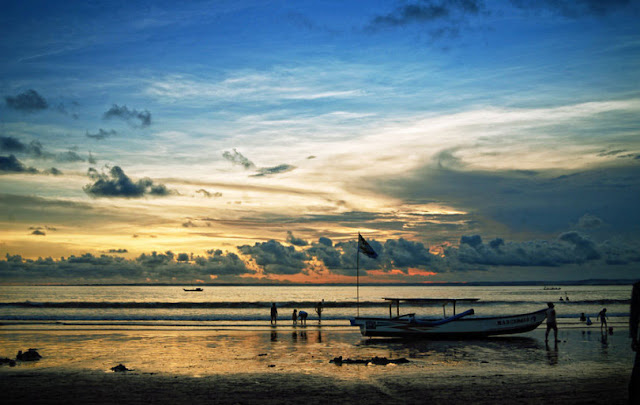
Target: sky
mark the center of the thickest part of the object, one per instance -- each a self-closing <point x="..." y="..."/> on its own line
<point x="250" y="141"/>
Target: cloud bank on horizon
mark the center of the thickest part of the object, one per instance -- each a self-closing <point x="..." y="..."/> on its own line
<point x="468" y="140"/>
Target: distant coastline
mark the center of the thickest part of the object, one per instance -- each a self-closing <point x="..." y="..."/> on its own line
<point x="280" y="284"/>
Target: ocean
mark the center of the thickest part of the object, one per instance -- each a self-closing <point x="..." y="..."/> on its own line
<point x="248" y="306"/>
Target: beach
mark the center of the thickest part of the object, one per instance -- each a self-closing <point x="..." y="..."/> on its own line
<point x="288" y="364"/>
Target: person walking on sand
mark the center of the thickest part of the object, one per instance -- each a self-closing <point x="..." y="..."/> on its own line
<point x="294" y="317"/>
<point x="551" y="323"/>
<point x="603" y="318"/>
<point x="303" y="317"/>
<point x="274" y="314"/>
<point x="319" y="310"/>
<point x="634" y="320"/>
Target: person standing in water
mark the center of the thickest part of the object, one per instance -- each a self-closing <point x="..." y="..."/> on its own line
<point x="274" y="314"/>
<point x="603" y="318"/>
<point x="551" y="323"/>
<point x="319" y="310"/>
<point x="294" y="317"/>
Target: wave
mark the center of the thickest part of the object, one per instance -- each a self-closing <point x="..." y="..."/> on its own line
<point x="266" y="305"/>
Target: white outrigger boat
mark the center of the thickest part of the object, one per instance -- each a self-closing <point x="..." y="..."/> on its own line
<point x="458" y="326"/>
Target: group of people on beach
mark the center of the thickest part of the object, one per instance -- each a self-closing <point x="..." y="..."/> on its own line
<point x="297" y="315"/>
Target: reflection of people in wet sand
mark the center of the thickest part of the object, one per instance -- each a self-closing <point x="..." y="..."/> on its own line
<point x="634" y="319"/>
<point x="319" y="310"/>
<point x="294" y="316"/>
<point x="551" y="322"/>
<point x="274" y="313"/>
<point x="303" y="317"/>
<point x="603" y="318"/>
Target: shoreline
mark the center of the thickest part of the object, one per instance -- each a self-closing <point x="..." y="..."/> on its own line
<point x="289" y="365"/>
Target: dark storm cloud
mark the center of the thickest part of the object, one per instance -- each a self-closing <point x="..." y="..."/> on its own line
<point x="222" y="263"/>
<point x="10" y="164"/>
<point x="38" y="232"/>
<point x="275" y="258"/>
<point x="153" y="267"/>
<point x="568" y="248"/>
<point x="28" y="101"/>
<point x="295" y="241"/>
<point x="539" y="203"/>
<point x="117" y="184"/>
<point x="101" y="134"/>
<point x="238" y="159"/>
<point x="267" y="171"/>
<point x="133" y="117"/>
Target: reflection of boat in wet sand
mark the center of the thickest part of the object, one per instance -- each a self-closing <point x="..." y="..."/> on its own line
<point x="459" y="326"/>
<point x="193" y="289"/>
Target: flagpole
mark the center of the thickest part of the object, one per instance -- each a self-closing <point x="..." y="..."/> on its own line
<point x="358" y="274"/>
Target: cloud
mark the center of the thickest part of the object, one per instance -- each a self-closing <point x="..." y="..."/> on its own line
<point x="588" y="221"/>
<point x="295" y="241"/>
<point x="118" y="250"/>
<point x="267" y="171"/>
<point x="575" y="8"/>
<point x="38" y="232"/>
<point x="54" y="171"/>
<point x="101" y="134"/>
<point x="442" y="17"/>
<point x="569" y="248"/>
<point x="135" y="118"/>
<point x="36" y="150"/>
<point x="276" y="258"/>
<point x="28" y="101"/>
<point x="207" y="194"/>
<point x="117" y="184"/>
<point x="238" y="159"/>
<point x="10" y="164"/>
<point x="218" y="262"/>
<point x="69" y="156"/>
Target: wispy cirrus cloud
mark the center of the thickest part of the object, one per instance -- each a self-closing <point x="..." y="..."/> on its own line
<point x="269" y="87"/>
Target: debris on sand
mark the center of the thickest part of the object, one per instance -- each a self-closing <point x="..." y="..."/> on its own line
<point x="29" y="355"/>
<point x="10" y="362"/>
<point x="378" y="361"/>
<point x="120" y="368"/>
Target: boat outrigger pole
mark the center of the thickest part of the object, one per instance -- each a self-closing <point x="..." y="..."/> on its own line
<point x="358" y="275"/>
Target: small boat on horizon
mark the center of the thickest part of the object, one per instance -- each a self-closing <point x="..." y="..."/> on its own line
<point x="193" y="289"/>
<point x="459" y="326"/>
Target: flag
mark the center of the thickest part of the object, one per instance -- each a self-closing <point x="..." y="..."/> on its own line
<point x="366" y="248"/>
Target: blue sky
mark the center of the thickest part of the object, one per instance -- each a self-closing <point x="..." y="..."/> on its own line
<point x="251" y="127"/>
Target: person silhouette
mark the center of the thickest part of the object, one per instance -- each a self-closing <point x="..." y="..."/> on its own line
<point x="634" y="320"/>
<point x="603" y="318"/>
<point x="551" y="322"/>
<point x="294" y="317"/>
<point x="274" y="314"/>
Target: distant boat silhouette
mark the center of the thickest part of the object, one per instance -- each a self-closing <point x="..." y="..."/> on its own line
<point x="193" y="289"/>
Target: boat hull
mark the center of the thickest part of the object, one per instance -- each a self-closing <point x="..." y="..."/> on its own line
<point x="470" y="327"/>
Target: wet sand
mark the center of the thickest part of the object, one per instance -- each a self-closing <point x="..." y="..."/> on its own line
<point x="288" y="365"/>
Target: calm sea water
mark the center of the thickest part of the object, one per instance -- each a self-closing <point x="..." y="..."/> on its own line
<point x="249" y="305"/>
